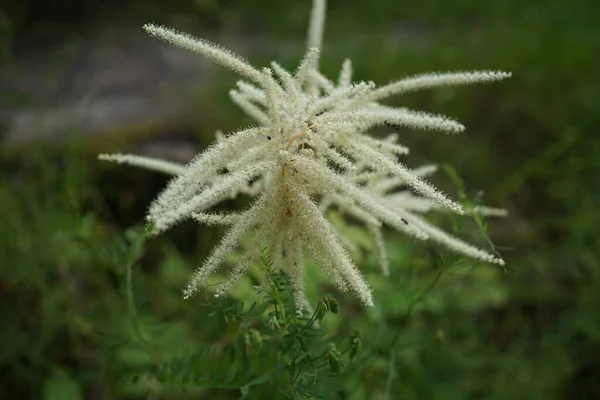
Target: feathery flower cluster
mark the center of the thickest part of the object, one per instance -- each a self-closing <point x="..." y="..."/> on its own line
<point x="309" y="152"/>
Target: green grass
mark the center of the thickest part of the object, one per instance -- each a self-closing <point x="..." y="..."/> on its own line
<point x="442" y="328"/>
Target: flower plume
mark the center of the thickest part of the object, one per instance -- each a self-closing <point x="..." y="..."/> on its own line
<point x="309" y="152"/>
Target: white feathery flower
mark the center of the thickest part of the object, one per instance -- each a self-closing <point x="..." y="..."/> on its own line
<point x="310" y="147"/>
<point x="409" y="205"/>
<point x="166" y="167"/>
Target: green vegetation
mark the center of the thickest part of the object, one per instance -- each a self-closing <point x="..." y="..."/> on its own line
<point x="91" y="310"/>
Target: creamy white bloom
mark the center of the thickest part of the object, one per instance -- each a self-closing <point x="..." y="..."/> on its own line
<point x="409" y="206"/>
<point x="310" y="146"/>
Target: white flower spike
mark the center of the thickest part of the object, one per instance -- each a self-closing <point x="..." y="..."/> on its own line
<point x="310" y="146"/>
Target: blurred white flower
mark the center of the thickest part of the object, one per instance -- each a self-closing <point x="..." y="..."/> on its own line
<point x="309" y="146"/>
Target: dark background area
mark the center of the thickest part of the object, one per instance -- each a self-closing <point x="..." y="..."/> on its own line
<point x="81" y="78"/>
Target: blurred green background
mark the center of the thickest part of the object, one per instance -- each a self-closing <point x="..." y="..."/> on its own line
<point x="530" y="146"/>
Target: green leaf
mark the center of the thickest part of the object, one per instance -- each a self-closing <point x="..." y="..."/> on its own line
<point x="60" y="386"/>
<point x="187" y="379"/>
<point x="258" y="380"/>
<point x="164" y="373"/>
<point x="134" y="356"/>
<point x="231" y="373"/>
<point x="251" y="308"/>
<point x="260" y="310"/>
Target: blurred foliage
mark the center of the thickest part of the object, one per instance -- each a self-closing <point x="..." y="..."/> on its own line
<point x="72" y="273"/>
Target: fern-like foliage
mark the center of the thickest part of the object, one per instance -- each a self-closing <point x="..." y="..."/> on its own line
<point x="273" y="349"/>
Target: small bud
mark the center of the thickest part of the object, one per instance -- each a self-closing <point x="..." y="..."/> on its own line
<point x="355" y="348"/>
<point x="321" y="310"/>
<point x="333" y="304"/>
<point x="273" y="323"/>
<point x="335" y="358"/>
<point x="307" y="152"/>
